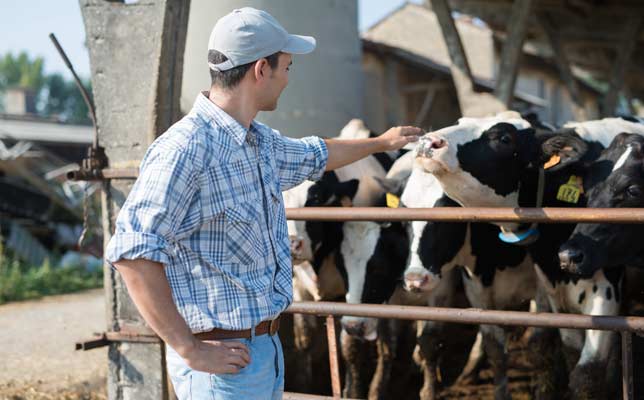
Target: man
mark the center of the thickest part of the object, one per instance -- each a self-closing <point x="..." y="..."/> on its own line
<point x="201" y="241"/>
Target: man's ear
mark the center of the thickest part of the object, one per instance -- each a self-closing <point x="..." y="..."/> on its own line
<point x="561" y="150"/>
<point x="260" y="69"/>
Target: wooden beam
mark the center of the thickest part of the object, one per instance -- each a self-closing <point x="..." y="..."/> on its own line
<point x="21" y="168"/>
<point x="624" y="51"/>
<point x="512" y="50"/>
<point x="472" y="104"/>
<point x="426" y="106"/>
<point x="393" y="100"/>
<point x="563" y="65"/>
<point x="424" y="87"/>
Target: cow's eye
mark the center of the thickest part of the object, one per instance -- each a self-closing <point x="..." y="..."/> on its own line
<point x="506" y="139"/>
<point x="634" y="191"/>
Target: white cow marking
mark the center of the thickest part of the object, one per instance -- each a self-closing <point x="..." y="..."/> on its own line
<point x="622" y="159"/>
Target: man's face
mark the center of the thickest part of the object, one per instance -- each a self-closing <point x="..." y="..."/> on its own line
<point x="275" y="82"/>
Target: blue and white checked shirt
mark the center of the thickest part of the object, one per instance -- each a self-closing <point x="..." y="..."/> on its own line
<point x="208" y="205"/>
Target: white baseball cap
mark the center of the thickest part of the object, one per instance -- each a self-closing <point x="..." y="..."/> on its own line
<point x="247" y="34"/>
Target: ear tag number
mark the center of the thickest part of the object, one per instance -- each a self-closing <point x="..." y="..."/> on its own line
<point x="571" y="191"/>
<point x="393" y="201"/>
<point x="554" y="160"/>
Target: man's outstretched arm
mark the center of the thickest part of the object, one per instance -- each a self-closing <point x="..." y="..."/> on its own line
<point x="149" y="288"/>
<point x="343" y="152"/>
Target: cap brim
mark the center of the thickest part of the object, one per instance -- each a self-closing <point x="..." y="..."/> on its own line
<point x="297" y="44"/>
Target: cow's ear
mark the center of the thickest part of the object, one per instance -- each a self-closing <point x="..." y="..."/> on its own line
<point x="393" y="186"/>
<point x="561" y="150"/>
<point x="347" y="188"/>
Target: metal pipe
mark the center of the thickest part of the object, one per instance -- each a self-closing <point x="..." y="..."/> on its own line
<point x="107" y="173"/>
<point x="473" y="316"/>
<point x="86" y="97"/>
<point x="627" y="366"/>
<point x="333" y="357"/>
<point x="302" y="396"/>
<point x="469" y="214"/>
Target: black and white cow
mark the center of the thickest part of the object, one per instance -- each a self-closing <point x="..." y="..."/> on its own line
<point x="496" y="162"/>
<point x="351" y="185"/>
<point x="366" y="254"/>
<point x="614" y="180"/>
<point x="495" y="275"/>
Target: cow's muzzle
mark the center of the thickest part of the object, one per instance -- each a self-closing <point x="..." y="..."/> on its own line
<point x="571" y="259"/>
<point x="427" y="145"/>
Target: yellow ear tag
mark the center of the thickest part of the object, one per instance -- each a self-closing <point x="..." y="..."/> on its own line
<point x="571" y="191"/>
<point x="393" y="201"/>
<point x="554" y="160"/>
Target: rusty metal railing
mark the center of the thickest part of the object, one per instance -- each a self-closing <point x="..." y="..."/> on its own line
<point x="550" y="215"/>
<point x="626" y="326"/>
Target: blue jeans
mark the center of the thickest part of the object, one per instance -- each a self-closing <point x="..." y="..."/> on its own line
<point x="262" y="379"/>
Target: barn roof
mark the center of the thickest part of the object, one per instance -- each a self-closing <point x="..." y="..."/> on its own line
<point x="415" y="30"/>
<point x="591" y="32"/>
<point x="412" y="32"/>
<point x="41" y="130"/>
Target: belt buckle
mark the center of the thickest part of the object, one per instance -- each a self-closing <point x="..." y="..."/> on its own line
<point x="273" y="326"/>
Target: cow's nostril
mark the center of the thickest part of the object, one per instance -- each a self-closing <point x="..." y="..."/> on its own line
<point x="438" y="143"/>
<point x="571" y="256"/>
<point x="296" y="244"/>
<point x="354" y="328"/>
<point x="576" y="256"/>
<point x="415" y="281"/>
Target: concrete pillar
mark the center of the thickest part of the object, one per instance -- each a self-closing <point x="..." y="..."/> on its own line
<point x="136" y="55"/>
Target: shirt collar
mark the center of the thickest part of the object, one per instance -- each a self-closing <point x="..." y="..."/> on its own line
<point x="212" y="112"/>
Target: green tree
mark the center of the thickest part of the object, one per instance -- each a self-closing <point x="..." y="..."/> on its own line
<point x="21" y="70"/>
<point x="56" y="95"/>
<point x="64" y="100"/>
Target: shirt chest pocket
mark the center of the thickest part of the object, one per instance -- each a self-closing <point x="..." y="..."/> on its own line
<point x="245" y="242"/>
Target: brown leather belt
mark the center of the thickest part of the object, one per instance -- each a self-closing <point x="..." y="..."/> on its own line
<point x="264" y="327"/>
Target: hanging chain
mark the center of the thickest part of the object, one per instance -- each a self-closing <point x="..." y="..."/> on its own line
<point x="81" y="238"/>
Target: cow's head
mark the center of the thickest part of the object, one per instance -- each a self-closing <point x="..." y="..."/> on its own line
<point x="433" y="247"/>
<point x="480" y="162"/>
<point x="373" y="256"/>
<point x="614" y="180"/>
<point x="314" y="240"/>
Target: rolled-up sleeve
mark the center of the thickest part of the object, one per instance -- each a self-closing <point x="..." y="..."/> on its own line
<point x="154" y="209"/>
<point x="299" y="159"/>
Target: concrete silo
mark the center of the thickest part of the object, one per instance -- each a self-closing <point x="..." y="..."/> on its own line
<point x="325" y="89"/>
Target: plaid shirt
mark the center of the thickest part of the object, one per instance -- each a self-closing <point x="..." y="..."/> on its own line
<point x="208" y="205"/>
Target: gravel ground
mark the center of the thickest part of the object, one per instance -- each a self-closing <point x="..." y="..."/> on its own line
<point x="37" y="338"/>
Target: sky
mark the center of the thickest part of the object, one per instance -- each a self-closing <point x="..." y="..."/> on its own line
<point x="26" y="24"/>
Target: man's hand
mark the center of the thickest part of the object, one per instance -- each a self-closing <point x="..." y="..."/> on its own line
<point x="399" y="136"/>
<point x="346" y="151"/>
<point x="148" y="286"/>
<point x="218" y="357"/>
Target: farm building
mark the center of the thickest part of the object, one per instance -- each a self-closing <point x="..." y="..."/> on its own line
<point x="425" y="65"/>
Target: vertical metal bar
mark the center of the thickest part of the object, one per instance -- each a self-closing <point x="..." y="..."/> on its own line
<point x="333" y="356"/>
<point x="627" y="365"/>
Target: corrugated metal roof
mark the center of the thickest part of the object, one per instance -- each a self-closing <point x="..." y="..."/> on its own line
<point x="45" y="131"/>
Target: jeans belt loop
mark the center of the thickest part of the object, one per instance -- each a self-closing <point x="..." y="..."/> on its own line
<point x="274" y="326"/>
